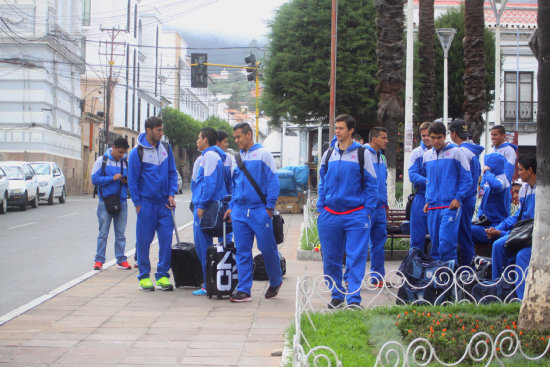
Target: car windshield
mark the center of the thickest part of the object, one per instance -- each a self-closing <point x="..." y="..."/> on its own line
<point x="14" y="173"/>
<point x="41" y="169"/>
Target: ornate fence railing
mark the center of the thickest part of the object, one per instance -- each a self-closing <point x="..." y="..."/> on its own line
<point x="453" y="287"/>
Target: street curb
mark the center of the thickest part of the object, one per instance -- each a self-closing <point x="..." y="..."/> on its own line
<point x="62" y="288"/>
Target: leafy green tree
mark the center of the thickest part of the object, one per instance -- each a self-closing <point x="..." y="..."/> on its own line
<point x="182" y="131"/>
<point x="297" y="69"/>
<point x="220" y="124"/>
<point x="454" y="18"/>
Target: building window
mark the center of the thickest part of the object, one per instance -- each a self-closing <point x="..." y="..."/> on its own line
<point x="86" y="12"/>
<point x="527" y="106"/>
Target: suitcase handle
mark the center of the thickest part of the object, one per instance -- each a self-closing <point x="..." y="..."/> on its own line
<point x="175" y="226"/>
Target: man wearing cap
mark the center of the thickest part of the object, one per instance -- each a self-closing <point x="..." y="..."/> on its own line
<point x="460" y="136"/>
<point x="448" y="184"/>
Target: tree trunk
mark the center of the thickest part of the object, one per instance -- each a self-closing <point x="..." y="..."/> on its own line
<point x="474" y="67"/>
<point x="535" y="309"/>
<point x="426" y="54"/>
<point x="390" y="52"/>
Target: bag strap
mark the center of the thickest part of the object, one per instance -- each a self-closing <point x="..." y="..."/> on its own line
<point x="360" y="157"/>
<point x="103" y="164"/>
<point x="243" y="168"/>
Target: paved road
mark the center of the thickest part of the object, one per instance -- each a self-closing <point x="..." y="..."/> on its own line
<point x="41" y="249"/>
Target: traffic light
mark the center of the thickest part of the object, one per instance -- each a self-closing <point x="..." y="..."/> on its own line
<point x="199" y="71"/>
<point x="251" y="67"/>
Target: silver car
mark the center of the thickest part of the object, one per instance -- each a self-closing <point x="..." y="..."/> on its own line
<point x="51" y="181"/>
<point x="4" y="191"/>
<point x="180" y="184"/>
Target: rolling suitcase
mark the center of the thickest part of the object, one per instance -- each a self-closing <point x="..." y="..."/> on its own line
<point x="221" y="269"/>
<point x="185" y="264"/>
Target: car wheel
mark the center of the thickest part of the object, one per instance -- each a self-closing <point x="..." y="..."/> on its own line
<point x="50" y="198"/>
<point x="34" y="203"/>
<point x="63" y="196"/>
<point x="25" y="202"/>
<point x="4" y="206"/>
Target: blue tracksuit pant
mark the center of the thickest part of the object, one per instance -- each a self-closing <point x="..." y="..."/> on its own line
<point x="502" y="258"/>
<point x="443" y="226"/>
<point x="377" y="240"/>
<point x="202" y="242"/>
<point x="248" y="223"/>
<point x="479" y="236"/>
<point x="154" y="217"/>
<point x="419" y="222"/>
<point x="465" y="231"/>
<point x="349" y="232"/>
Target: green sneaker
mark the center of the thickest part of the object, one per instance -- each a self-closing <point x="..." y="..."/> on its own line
<point x="146" y="284"/>
<point x="164" y="284"/>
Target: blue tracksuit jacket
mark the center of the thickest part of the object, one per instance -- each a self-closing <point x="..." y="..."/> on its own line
<point x="151" y="181"/>
<point x="448" y="178"/>
<point x="472" y="152"/>
<point x="447" y="175"/>
<point x="509" y="152"/>
<point x="105" y="181"/>
<point x="155" y="178"/>
<point x="194" y="175"/>
<point x="417" y="175"/>
<point x="494" y="204"/>
<point x="381" y="169"/>
<point x="228" y="165"/>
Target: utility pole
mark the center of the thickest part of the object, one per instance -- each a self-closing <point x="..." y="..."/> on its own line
<point x="110" y="53"/>
<point x="333" y="48"/>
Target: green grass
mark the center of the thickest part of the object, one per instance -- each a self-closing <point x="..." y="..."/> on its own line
<point x="357" y="336"/>
<point x="309" y="241"/>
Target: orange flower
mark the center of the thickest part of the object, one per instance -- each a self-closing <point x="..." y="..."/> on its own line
<point x="453" y="339"/>
<point x="521" y="333"/>
<point x="429" y="314"/>
<point x="406" y="313"/>
<point x="410" y="331"/>
<point x="396" y="323"/>
<point x="414" y="311"/>
<point x="442" y="334"/>
<point x="444" y="330"/>
<point x="463" y="328"/>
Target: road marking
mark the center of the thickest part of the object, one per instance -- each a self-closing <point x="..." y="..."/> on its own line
<point x="37" y="301"/>
<point x="67" y="215"/>
<point x="22" y="225"/>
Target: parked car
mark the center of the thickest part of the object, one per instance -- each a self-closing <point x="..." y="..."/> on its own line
<point x="4" y="191"/>
<point x="180" y="184"/>
<point x="51" y="181"/>
<point x="23" y="185"/>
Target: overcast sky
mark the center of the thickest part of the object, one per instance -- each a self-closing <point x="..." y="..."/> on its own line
<point x="236" y="19"/>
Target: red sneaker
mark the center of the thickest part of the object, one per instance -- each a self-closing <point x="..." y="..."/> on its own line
<point x="98" y="265"/>
<point x="124" y="265"/>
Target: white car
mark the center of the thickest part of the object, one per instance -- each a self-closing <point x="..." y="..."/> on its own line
<point x="51" y="181"/>
<point x="180" y="184"/>
<point x="23" y="184"/>
<point x="4" y="191"/>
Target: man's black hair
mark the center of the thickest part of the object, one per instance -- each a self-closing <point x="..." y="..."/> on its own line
<point x="437" y="128"/>
<point x="528" y="161"/>
<point x="243" y="126"/>
<point x="348" y="119"/>
<point x="460" y="127"/>
<point x="221" y="135"/>
<point x="120" y="142"/>
<point x="500" y="128"/>
<point x="153" y="122"/>
<point x="375" y="132"/>
<point x="210" y="134"/>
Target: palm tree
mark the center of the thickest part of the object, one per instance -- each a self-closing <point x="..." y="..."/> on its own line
<point x="390" y="52"/>
<point x="474" y="67"/>
<point x="536" y="303"/>
<point x="426" y="55"/>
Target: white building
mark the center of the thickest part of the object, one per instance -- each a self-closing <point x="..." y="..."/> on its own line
<point x="40" y="69"/>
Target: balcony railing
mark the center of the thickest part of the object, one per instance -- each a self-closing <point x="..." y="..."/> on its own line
<point x="527" y="111"/>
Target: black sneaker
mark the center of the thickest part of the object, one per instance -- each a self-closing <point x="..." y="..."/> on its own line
<point x="239" y="297"/>
<point x="355" y="306"/>
<point x="272" y="291"/>
<point x="335" y="303"/>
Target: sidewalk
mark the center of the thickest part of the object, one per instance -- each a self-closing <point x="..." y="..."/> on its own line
<point x="108" y="321"/>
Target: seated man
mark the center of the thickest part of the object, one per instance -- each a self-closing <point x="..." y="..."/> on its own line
<point x="527" y="171"/>
<point x="494" y="206"/>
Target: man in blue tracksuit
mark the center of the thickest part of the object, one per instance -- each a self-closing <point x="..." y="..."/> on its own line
<point x="153" y="182"/>
<point x="527" y="171"/>
<point x="460" y="135"/>
<point x="251" y="217"/>
<point x="417" y="175"/>
<point x="379" y="218"/>
<point x="448" y="183"/>
<point x="209" y="187"/>
<point x="347" y="199"/>
<point x="501" y="146"/>
<point x="494" y="206"/>
<point x="110" y="174"/>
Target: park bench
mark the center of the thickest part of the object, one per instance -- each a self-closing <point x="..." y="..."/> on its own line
<point x="393" y="230"/>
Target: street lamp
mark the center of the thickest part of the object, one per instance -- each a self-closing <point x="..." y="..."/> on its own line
<point x="445" y="36"/>
<point x="498" y="9"/>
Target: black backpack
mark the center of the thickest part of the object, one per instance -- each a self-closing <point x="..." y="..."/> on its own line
<point x="410" y="200"/>
<point x="360" y="157"/>
<point x="259" y="272"/>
